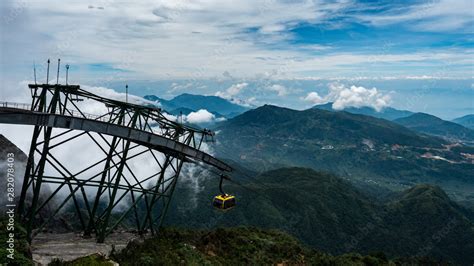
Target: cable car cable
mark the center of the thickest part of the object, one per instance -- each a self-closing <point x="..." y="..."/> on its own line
<point x="259" y="193"/>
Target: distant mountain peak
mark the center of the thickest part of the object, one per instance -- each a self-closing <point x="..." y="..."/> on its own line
<point x="330" y="105"/>
<point x="425" y="115"/>
<point x="387" y="113"/>
<point x="425" y="190"/>
<point x="190" y="95"/>
<point x="188" y="101"/>
<point x="432" y="125"/>
<point x="467" y="121"/>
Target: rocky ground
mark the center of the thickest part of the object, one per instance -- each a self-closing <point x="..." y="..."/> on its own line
<point x="69" y="246"/>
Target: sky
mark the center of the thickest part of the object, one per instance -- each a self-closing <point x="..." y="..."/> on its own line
<point x="415" y="55"/>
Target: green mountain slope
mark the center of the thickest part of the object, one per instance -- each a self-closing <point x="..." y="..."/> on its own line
<point x="309" y="205"/>
<point x="435" y="126"/>
<point x="330" y="214"/>
<point x="238" y="246"/>
<point x="426" y="221"/>
<point x="367" y="150"/>
<point x="323" y="125"/>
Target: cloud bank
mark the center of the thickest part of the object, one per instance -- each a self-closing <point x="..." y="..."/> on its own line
<point x="232" y="91"/>
<point x="195" y="39"/>
<point x="279" y="89"/>
<point x="199" y="117"/>
<point x="353" y="96"/>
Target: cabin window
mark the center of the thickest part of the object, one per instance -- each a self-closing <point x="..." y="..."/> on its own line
<point x="218" y="203"/>
<point x="229" y="203"/>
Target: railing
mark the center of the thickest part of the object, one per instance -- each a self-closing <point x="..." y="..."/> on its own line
<point x="24" y="106"/>
<point x="69" y="112"/>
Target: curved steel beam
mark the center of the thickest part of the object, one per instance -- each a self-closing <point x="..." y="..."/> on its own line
<point x="169" y="146"/>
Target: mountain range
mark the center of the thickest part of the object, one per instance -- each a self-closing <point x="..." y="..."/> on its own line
<point x="432" y="125"/>
<point x="388" y="113"/>
<point x="456" y="131"/>
<point x="466" y="121"/>
<point x="187" y="103"/>
<point x="328" y="213"/>
<point x="370" y="152"/>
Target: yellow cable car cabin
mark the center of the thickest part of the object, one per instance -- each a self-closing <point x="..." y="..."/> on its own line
<point x="224" y="201"/>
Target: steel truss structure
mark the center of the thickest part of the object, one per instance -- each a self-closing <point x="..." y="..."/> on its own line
<point x="123" y="133"/>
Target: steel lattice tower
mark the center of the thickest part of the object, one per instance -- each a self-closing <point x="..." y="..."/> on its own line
<point x="123" y="132"/>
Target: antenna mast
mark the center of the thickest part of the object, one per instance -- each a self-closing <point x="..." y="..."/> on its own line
<point x="47" y="74"/>
<point x="34" y="71"/>
<point x="67" y="72"/>
<point x="57" y="75"/>
<point x="126" y="93"/>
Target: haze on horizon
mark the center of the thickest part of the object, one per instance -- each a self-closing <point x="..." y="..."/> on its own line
<point x="416" y="56"/>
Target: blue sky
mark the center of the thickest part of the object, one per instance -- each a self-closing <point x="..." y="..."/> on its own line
<point x="291" y="53"/>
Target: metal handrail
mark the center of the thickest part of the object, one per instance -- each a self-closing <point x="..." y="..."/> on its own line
<point x="24" y="106"/>
<point x="73" y="113"/>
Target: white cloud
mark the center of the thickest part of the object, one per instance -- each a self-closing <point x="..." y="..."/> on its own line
<point x="114" y="95"/>
<point x="314" y="98"/>
<point x="170" y="117"/>
<point x="359" y="97"/>
<point x="280" y="89"/>
<point x="21" y="94"/>
<point x="17" y="92"/>
<point x="170" y="38"/>
<point x="271" y="28"/>
<point x="202" y="39"/>
<point x="249" y="102"/>
<point x="443" y="15"/>
<point x="201" y="116"/>
<point x="353" y="96"/>
<point x="232" y="91"/>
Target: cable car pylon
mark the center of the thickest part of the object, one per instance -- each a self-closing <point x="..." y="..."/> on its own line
<point x="106" y="191"/>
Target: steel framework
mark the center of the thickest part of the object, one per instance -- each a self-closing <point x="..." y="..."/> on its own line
<point x="123" y="133"/>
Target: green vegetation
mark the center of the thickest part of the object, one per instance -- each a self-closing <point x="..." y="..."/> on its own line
<point x="325" y="212"/>
<point x="92" y="260"/>
<point x="370" y="152"/>
<point x="231" y="246"/>
<point x="22" y="254"/>
<point x="329" y="214"/>
<point x="236" y="246"/>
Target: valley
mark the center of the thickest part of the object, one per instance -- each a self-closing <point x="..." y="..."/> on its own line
<point x="368" y="151"/>
<point x="331" y="215"/>
<point x="338" y="182"/>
